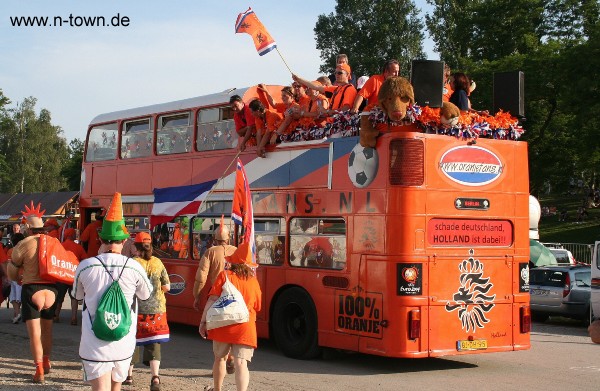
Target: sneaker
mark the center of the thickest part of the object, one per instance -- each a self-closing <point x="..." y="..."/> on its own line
<point x="16" y="319"/>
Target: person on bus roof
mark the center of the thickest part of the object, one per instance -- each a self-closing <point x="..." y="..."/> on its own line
<point x="244" y="122"/>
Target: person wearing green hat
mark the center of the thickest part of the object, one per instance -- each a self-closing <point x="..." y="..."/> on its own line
<point x="105" y="363"/>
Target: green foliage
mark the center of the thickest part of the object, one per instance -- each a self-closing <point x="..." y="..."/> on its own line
<point x="33" y="149"/>
<point x="71" y="171"/>
<point x="370" y="33"/>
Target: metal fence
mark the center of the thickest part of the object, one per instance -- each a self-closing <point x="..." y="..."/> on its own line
<point x="581" y="252"/>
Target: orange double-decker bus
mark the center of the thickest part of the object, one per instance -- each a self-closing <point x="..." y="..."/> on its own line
<point x="416" y="248"/>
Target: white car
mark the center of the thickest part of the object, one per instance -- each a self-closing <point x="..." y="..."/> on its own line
<point x="563" y="257"/>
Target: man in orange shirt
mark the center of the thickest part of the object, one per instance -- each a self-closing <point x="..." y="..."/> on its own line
<point x="70" y="245"/>
<point x="268" y="122"/>
<point x="90" y="237"/>
<point x="51" y="226"/>
<point x="341" y="96"/>
<point x="371" y="88"/>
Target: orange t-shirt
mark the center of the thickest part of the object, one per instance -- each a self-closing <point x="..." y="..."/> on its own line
<point x="270" y="123"/>
<point x="241" y="333"/>
<point x="75" y="248"/>
<point x="447" y="92"/>
<point x="370" y="90"/>
<point x="340" y="96"/>
<point x="90" y="235"/>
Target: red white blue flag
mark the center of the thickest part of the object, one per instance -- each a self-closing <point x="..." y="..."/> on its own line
<point x="170" y="202"/>
<point x="247" y="22"/>
<point x="241" y="211"/>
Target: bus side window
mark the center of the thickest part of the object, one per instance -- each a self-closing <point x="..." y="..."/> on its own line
<point x="270" y="241"/>
<point x="215" y="129"/>
<point x="318" y="243"/>
<point x="102" y="143"/>
<point x="174" y="134"/>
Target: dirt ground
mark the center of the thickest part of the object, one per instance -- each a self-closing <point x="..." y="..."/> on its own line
<point x="187" y="359"/>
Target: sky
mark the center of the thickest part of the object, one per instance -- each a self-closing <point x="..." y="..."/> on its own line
<point x="170" y="50"/>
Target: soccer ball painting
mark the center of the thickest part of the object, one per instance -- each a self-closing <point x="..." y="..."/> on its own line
<point x="362" y="165"/>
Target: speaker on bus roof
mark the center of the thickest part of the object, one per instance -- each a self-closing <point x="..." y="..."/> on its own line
<point x="427" y="79"/>
<point x="509" y="92"/>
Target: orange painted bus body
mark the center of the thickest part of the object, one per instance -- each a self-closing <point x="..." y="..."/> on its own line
<point x="433" y="262"/>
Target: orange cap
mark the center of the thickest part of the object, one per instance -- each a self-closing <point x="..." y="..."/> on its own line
<point x="344" y="67"/>
<point x="143" y="237"/>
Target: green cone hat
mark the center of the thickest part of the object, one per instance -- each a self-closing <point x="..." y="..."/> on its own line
<point x="113" y="225"/>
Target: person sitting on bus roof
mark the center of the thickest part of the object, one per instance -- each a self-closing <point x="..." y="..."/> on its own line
<point x="289" y="108"/>
<point x="269" y="123"/>
<point x="244" y="122"/>
<point x="300" y="95"/>
<point x="318" y="104"/>
<point x="372" y="86"/>
<point x="341" y="96"/>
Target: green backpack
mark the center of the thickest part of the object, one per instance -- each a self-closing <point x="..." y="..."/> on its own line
<point x="113" y="315"/>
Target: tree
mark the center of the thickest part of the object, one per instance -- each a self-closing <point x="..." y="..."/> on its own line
<point x="370" y="32"/>
<point x="35" y="150"/>
<point x="72" y="169"/>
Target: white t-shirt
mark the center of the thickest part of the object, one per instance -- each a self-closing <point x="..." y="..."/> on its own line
<point x="91" y="281"/>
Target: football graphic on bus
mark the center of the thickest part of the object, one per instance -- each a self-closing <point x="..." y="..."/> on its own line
<point x="362" y="165"/>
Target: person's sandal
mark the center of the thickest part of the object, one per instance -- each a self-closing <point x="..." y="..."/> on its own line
<point x="155" y="386"/>
<point x="128" y="381"/>
<point x="38" y="377"/>
<point x="47" y="365"/>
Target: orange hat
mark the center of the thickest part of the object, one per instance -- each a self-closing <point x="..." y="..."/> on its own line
<point x="51" y="222"/>
<point x="242" y="255"/>
<point x="143" y="237"/>
<point x="344" y="67"/>
<point x="70" y="233"/>
<point x="113" y="225"/>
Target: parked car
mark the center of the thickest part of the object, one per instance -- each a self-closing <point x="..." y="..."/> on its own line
<point x="560" y="291"/>
<point x="563" y="257"/>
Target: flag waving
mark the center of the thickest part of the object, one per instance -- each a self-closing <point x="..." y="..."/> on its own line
<point x="170" y="202"/>
<point x="247" y="22"/>
<point x="241" y="211"/>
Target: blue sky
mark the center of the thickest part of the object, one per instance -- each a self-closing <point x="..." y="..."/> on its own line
<point x="171" y="50"/>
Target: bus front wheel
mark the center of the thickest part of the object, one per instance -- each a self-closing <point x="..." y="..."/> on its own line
<point x="295" y="324"/>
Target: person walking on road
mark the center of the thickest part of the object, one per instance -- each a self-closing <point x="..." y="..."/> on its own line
<point x="211" y="264"/>
<point x="238" y="339"/>
<point x="38" y="296"/>
<point x="153" y="328"/>
<point x="106" y="363"/>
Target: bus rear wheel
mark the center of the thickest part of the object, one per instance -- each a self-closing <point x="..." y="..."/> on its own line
<point x="295" y="324"/>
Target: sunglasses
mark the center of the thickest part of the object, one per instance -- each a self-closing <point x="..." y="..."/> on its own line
<point x="340" y="72"/>
<point x="296" y="85"/>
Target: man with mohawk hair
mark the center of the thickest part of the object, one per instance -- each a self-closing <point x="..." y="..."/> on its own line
<point x="211" y="264"/>
<point x="38" y="297"/>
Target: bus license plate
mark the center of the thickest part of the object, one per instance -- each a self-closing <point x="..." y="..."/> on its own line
<point x="478" y="344"/>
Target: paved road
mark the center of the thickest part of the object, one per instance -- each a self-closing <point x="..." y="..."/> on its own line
<point x="562" y="358"/>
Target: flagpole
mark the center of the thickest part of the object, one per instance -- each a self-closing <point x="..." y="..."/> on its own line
<point x="282" y="59"/>
<point x="202" y="205"/>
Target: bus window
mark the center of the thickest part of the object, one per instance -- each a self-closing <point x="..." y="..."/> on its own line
<point x="318" y="243"/>
<point x="270" y="241"/>
<point x="216" y="129"/>
<point x="174" y="134"/>
<point x="172" y="238"/>
<point x="203" y="230"/>
<point x="137" y="139"/>
<point x="102" y="143"/>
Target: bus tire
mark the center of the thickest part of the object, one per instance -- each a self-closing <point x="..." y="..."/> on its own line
<point x="295" y="324"/>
